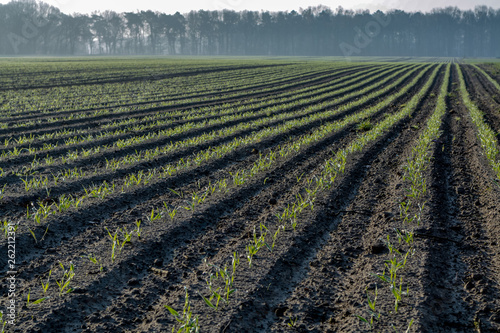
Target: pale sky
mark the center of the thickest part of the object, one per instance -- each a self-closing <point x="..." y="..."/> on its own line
<point x="184" y="6"/>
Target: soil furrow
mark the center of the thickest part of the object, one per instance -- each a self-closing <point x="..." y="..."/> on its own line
<point x="294" y="78"/>
<point x="467" y="184"/>
<point x="74" y="222"/>
<point x="346" y="256"/>
<point x="484" y="95"/>
<point x="63" y="150"/>
<point x="93" y="121"/>
<point x="212" y="214"/>
<point x="254" y="309"/>
<point x="77" y="186"/>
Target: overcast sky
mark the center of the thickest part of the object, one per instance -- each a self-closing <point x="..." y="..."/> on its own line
<point x="184" y="6"/>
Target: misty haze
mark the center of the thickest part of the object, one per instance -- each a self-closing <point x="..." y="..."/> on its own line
<point x="35" y="28"/>
<point x="239" y="171"/>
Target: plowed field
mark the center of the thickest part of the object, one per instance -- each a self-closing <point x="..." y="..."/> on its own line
<point x="249" y="196"/>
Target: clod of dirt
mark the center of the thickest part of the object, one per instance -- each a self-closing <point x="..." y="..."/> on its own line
<point x="388" y="215"/>
<point x="496" y="316"/>
<point x="379" y="248"/>
<point x="272" y="201"/>
<point x="476" y="277"/>
<point x="48" y="200"/>
<point x="27" y="203"/>
<point x="133" y="282"/>
<point x="79" y="291"/>
<point x="469" y="286"/>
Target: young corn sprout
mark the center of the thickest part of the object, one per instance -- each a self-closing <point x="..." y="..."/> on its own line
<point x="115" y="244"/>
<point x="45" y="286"/>
<point x="67" y="277"/>
<point x="94" y="260"/>
<point x="38" y="301"/>
<point x="154" y="216"/>
<point x="372" y="308"/>
<point x="189" y="323"/>
<point x="139" y="229"/>
<point x="220" y="283"/>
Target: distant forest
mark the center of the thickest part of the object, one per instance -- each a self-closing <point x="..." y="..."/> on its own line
<point x="28" y="27"/>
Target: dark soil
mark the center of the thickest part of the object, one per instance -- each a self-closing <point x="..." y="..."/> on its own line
<point x="317" y="276"/>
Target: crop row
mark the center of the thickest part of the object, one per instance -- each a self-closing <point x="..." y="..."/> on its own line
<point x="487" y="137"/>
<point x="135" y="114"/>
<point x="336" y="165"/>
<point x="151" y="153"/>
<point x="107" y="113"/>
<point x="401" y="244"/>
<point x="152" y="92"/>
<point x="488" y="77"/>
<point x="65" y="202"/>
<point x="143" y="122"/>
<point x="121" y="237"/>
<point x="265" y="238"/>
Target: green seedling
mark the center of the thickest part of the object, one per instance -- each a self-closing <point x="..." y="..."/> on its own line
<point x="179" y="194"/>
<point x="363" y="319"/>
<point x="2" y="322"/>
<point x="190" y="205"/>
<point x="45" y="286"/>
<point x="374" y="315"/>
<point x="139" y="229"/>
<point x="8" y="227"/>
<point x="398" y="293"/>
<point x="68" y="275"/>
<point x="275" y="236"/>
<point x="292" y="322"/>
<point x="299" y="178"/>
<point x="258" y="243"/>
<point x="2" y="191"/>
<point x="33" y="234"/>
<point x="383" y="277"/>
<point x="45" y="233"/>
<point x="116" y="242"/>
<point x="405" y="235"/>
<point x="189" y="324"/>
<point x="170" y="211"/>
<point x="64" y="203"/>
<point x="211" y="188"/>
<point x="409" y="326"/>
<point x="127" y="236"/>
<point x="214" y="294"/>
<point x="153" y="217"/>
<point x="364" y="126"/>
<point x="94" y="260"/>
<point x="38" y="301"/>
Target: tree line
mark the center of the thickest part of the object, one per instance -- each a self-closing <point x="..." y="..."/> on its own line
<point x="28" y="27"/>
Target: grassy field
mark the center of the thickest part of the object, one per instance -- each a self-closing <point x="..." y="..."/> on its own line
<point x="249" y="195"/>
